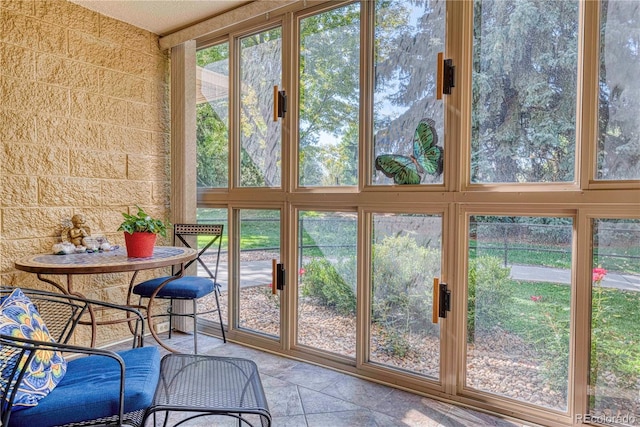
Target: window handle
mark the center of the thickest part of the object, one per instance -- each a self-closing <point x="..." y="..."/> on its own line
<point x="441" y="300"/>
<point x="279" y="103"/>
<point x="280" y="280"/>
<point x="277" y="276"/>
<point x="445" y="79"/>
<point x="274" y="275"/>
<point x="436" y="299"/>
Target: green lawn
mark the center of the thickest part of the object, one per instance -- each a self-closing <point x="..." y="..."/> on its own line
<point x="548" y="256"/>
<point x="259" y="233"/>
<point x="613" y="259"/>
<point x="528" y="316"/>
<point x="539" y="313"/>
<point x="617" y="259"/>
<point x="534" y="306"/>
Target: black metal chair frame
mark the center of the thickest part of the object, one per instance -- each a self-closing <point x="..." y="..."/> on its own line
<point x="195" y="385"/>
<point x="62" y="314"/>
<point x="180" y="232"/>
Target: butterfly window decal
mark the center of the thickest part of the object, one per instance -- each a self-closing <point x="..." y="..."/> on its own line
<point x="426" y="157"/>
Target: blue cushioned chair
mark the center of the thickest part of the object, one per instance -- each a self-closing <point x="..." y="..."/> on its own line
<point x="99" y="387"/>
<point x="191" y="287"/>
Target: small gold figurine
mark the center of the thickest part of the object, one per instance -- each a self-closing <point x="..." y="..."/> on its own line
<point x="77" y="233"/>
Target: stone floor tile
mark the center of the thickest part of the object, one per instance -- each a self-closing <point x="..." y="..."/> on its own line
<point x="284" y="401"/>
<point x="358" y="391"/>
<point x="314" y="402"/>
<point x="271" y="364"/>
<point x="388" y="421"/>
<point x="360" y="418"/>
<point x="292" y="421"/>
<point x="309" y="376"/>
<point x="269" y="381"/>
<point x="460" y="416"/>
<point x="413" y="408"/>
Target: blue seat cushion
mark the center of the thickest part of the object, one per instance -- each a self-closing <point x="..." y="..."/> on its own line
<point x="91" y="389"/>
<point x="187" y="287"/>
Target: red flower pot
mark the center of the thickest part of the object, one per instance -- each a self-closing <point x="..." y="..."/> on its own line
<point x="140" y="244"/>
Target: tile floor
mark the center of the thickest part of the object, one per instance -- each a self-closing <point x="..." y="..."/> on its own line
<point x="301" y="395"/>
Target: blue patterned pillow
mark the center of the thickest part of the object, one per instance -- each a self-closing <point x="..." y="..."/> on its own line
<point x="19" y="318"/>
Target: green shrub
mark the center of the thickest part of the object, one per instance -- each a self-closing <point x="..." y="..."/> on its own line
<point x="402" y="296"/>
<point x="329" y="284"/>
<point x="402" y="299"/>
<point x="394" y="343"/>
<point x="487" y="292"/>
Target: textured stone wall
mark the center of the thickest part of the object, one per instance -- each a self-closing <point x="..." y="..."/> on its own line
<point x="84" y="128"/>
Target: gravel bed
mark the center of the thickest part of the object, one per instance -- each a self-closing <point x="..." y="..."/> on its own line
<point x="498" y="363"/>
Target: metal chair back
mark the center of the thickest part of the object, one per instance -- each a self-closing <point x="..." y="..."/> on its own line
<point x="213" y="233"/>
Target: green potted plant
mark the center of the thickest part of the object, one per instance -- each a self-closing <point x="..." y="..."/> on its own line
<point x="140" y="233"/>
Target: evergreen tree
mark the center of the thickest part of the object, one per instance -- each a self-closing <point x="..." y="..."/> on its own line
<point x="619" y="122"/>
<point x="524" y="91"/>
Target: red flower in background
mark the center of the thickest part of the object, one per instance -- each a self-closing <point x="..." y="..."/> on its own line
<point x="598" y="274"/>
<point x="536" y="298"/>
<point x="301" y="271"/>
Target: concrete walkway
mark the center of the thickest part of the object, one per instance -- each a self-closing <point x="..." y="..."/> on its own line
<point x="252" y="273"/>
<point x="560" y="275"/>
<point x="259" y="273"/>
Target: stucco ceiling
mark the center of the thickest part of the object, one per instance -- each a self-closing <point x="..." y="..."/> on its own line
<point x="161" y="17"/>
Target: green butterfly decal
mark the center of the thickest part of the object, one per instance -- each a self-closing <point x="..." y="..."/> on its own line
<point x="426" y="157"/>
